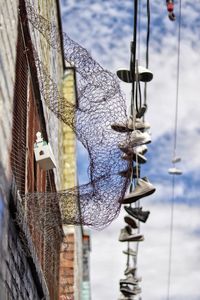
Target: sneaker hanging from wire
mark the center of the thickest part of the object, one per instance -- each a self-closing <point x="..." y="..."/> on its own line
<point x="137" y="213"/>
<point x="127" y="291"/>
<point x="127" y="76"/>
<point x="130" y="125"/>
<point x="143" y="189"/>
<point x="136" y="138"/>
<point x="175" y="171"/>
<point x="136" y="154"/>
<point x="131" y="222"/>
<point x="176" y="159"/>
<point x="127" y="236"/>
<point x="129" y="280"/>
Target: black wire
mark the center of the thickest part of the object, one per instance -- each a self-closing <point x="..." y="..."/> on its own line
<point x="138" y="49"/>
<point x="148" y="33"/>
<point x="136" y="90"/>
<point x="140" y="94"/>
<point x="139" y="31"/>
<point x="133" y="53"/>
<point x="147" y="47"/>
<point x="128" y="258"/>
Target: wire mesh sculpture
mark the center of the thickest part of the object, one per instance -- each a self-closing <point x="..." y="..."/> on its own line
<point x="99" y="104"/>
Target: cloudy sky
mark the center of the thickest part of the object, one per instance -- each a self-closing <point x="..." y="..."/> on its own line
<point x="105" y="29"/>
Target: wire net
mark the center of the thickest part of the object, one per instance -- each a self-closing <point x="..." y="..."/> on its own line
<point x="45" y="235"/>
<point x="100" y="103"/>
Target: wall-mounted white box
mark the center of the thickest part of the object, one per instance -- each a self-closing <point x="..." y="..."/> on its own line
<point x="43" y="154"/>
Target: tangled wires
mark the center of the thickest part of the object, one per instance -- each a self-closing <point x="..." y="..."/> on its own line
<point x="100" y="103"/>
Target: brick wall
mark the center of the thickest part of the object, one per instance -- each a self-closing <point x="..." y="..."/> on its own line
<point x="54" y="65"/>
<point x="21" y="273"/>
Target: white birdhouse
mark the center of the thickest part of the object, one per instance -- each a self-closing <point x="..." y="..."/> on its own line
<point x="43" y="153"/>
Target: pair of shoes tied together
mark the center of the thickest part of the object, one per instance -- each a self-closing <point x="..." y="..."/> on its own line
<point x="141" y="74"/>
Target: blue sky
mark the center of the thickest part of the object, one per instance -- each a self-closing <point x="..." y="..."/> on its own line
<point x="105" y="29"/>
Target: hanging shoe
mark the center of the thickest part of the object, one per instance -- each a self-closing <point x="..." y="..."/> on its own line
<point x="176" y="160"/>
<point x="137" y="138"/>
<point x="137" y="213"/>
<point x="130" y="252"/>
<point x="123" y="126"/>
<point x="124" y="75"/>
<point x="135" y="154"/>
<point x="172" y="16"/>
<point x="129" y="280"/>
<point x="129" y="270"/>
<point x="127" y="291"/>
<point x="175" y="171"/>
<point x="141" y="125"/>
<point x="143" y="188"/>
<point x="131" y="222"/>
<point x="141" y="149"/>
<point x="130" y="153"/>
<point x="126" y="236"/>
<point x="125" y="298"/>
<point x="130" y="125"/>
<point x="144" y="75"/>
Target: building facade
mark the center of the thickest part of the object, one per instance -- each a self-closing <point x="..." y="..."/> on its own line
<point x="30" y="248"/>
<point x="39" y="258"/>
<point x="73" y="264"/>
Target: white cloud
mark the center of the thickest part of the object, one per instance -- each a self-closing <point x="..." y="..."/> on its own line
<point x="108" y="262"/>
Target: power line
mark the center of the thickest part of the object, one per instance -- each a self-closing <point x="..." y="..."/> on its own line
<point x="174" y="155"/>
<point x="171" y="238"/>
<point x="177" y="81"/>
<point x="133" y="52"/>
<point x="147" y="47"/>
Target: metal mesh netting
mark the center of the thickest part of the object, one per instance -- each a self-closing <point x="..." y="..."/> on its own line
<point x="39" y="238"/>
<point x="100" y="103"/>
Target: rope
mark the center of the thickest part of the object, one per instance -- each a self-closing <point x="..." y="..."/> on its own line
<point x="174" y="153"/>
